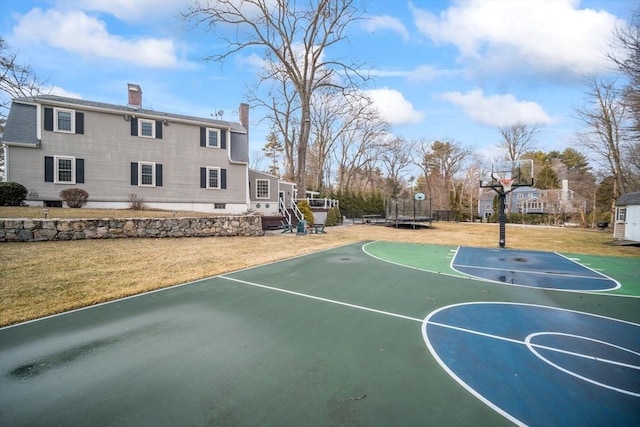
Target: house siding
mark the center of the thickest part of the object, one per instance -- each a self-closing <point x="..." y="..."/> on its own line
<point x="260" y="204"/>
<point x="108" y="149"/>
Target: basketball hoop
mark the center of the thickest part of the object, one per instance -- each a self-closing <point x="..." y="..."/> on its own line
<point x="506" y="184"/>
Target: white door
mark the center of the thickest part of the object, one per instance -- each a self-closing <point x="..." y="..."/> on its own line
<point x="632" y="227"/>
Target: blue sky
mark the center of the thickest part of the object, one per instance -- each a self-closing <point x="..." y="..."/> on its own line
<point x="454" y="70"/>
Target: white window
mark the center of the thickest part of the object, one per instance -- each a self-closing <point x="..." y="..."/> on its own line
<point x="64" y="120"/>
<point x="622" y="214"/>
<point x="213" y="178"/>
<point x="488" y="206"/>
<point x="147" y="174"/>
<point x="65" y="170"/>
<point x="520" y="196"/>
<point x="213" y="138"/>
<point x="146" y="128"/>
<point x="262" y="188"/>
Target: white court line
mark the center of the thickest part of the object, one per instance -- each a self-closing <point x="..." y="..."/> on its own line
<point x="511" y="270"/>
<point x="168" y="288"/>
<point x="460" y="275"/>
<point x="577" y="261"/>
<point x="618" y="285"/>
<point x="542" y="347"/>
<point x="331" y="301"/>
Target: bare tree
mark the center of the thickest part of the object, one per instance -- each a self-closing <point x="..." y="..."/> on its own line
<point x="395" y="157"/>
<point x="16" y="80"/>
<point x="295" y="38"/>
<point x="625" y="54"/>
<point x="604" y="116"/>
<point x="517" y="139"/>
<point x="357" y="145"/>
<point x="440" y="162"/>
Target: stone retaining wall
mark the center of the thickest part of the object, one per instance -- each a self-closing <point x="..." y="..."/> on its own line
<point x="29" y="230"/>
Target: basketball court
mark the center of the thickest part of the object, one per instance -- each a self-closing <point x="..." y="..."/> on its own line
<point x="375" y="333"/>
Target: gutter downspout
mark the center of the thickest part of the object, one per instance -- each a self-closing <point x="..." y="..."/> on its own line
<point x="5" y="149"/>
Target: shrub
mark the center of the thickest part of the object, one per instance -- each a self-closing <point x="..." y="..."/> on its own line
<point x="331" y="218"/>
<point x="334" y="217"/>
<point x="136" y="202"/>
<point x="12" y="194"/>
<point x="74" y="197"/>
<point x="304" y="207"/>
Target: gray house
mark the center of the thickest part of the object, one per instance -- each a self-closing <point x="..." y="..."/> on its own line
<point x="627" y="220"/>
<point x="114" y="152"/>
<point x="531" y="200"/>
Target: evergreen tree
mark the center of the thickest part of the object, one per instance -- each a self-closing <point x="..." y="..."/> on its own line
<point x="547" y="178"/>
<point x="272" y="150"/>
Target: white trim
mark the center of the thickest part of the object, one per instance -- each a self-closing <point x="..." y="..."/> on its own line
<point x="268" y="181"/>
<point x="56" y="171"/>
<point x="39" y="122"/>
<point x="5" y="148"/>
<point x="153" y="128"/>
<point x="153" y="174"/>
<point x="218" y="137"/>
<point x="210" y="168"/>
<point x="56" y="113"/>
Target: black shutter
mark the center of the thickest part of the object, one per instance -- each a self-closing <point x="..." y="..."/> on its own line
<point x="48" y="118"/>
<point x="203" y="137"/>
<point x="79" y="171"/>
<point x="158" y="174"/>
<point x="158" y="129"/>
<point x="48" y="169"/>
<point x="223" y="178"/>
<point x="134" y="126"/>
<point x="223" y="139"/>
<point x="79" y="123"/>
<point x="203" y="177"/>
<point x="134" y="173"/>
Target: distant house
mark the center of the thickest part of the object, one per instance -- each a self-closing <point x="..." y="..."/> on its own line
<point x="171" y="161"/>
<point x="531" y="200"/>
<point x="627" y="219"/>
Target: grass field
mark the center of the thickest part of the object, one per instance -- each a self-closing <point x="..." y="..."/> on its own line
<point x="43" y="278"/>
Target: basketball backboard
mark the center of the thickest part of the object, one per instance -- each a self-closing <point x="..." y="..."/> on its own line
<point x="507" y="174"/>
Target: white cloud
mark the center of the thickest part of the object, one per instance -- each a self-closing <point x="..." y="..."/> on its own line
<point x="129" y="10"/>
<point x="541" y="36"/>
<point x="56" y="90"/>
<point x="395" y="109"/>
<point x="385" y="22"/>
<point x="79" y="33"/>
<point x="497" y="110"/>
<point x="421" y="73"/>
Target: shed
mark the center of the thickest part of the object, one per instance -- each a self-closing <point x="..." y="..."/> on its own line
<point x="627" y="219"/>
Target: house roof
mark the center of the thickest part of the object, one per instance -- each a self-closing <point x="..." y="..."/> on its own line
<point x="101" y="106"/>
<point x="21" y="125"/>
<point x="629" y="199"/>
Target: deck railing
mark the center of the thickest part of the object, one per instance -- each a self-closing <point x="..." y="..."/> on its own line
<point x="323" y="203"/>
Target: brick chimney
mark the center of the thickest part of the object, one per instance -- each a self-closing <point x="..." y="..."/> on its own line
<point x="135" y="95"/>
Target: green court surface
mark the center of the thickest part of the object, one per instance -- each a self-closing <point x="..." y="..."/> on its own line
<point x="332" y="338"/>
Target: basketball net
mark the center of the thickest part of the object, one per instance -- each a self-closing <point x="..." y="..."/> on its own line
<point x="506" y="184"/>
